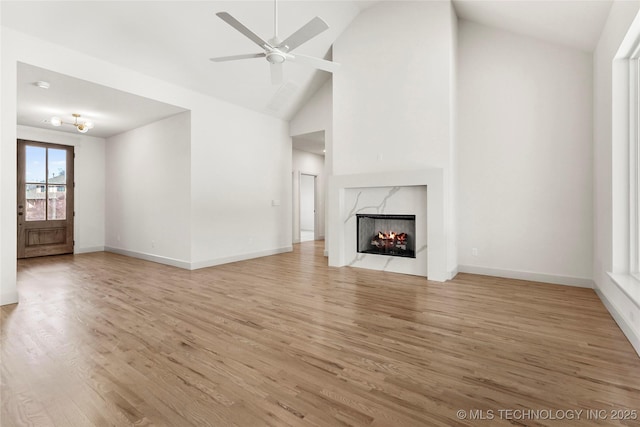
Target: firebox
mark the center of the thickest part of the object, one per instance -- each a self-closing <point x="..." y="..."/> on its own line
<point x="392" y="235"/>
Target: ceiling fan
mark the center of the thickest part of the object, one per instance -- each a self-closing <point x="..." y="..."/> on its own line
<point x="278" y="51"/>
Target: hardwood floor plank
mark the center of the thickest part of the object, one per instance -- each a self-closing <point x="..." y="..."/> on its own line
<point x="103" y="339"/>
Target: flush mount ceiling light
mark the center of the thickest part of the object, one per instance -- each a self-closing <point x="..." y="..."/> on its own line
<point x="82" y="127"/>
<point x="42" y="84"/>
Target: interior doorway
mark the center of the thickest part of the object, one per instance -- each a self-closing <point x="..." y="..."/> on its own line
<point x="307" y="207"/>
<point x="308" y="187"/>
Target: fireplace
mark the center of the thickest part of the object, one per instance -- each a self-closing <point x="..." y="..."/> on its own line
<point x="417" y="192"/>
<point x="391" y="235"/>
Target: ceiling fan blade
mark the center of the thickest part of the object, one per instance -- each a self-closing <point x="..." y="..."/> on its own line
<point x="276" y="73"/>
<point x="244" y="30"/>
<point x="304" y="34"/>
<point x="321" y="64"/>
<point x="235" y="57"/>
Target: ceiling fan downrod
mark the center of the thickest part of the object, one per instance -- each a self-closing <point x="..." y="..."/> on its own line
<point x="275" y="20"/>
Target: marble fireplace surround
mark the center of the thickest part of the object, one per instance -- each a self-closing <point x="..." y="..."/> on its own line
<point x="341" y="188"/>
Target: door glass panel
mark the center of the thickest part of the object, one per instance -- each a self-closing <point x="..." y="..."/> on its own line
<point x="35" y="202"/>
<point x="36" y="163"/>
<point x="57" y="166"/>
<point x="57" y="202"/>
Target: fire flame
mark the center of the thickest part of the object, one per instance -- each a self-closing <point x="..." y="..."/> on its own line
<point x="392" y="235"/>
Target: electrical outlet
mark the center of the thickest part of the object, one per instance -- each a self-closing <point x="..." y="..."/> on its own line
<point x="153" y="243"/>
<point x="474" y="251"/>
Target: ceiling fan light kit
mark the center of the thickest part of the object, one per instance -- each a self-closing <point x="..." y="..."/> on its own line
<point x="275" y="57"/>
<point x="277" y="52"/>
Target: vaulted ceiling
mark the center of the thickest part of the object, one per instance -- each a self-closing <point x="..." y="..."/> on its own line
<point x="576" y="24"/>
<point x="173" y="40"/>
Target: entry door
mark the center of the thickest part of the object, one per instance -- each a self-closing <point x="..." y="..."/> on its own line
<point x="45" y="199"/>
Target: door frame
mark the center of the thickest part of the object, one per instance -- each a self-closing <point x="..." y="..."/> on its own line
<point x="315" y="204"/>
<point x="21" y="250"/>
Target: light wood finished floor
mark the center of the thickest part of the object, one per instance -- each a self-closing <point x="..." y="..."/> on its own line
<point x="102" y="339"/>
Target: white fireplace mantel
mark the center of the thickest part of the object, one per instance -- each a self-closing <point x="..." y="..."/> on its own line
<point x="436" y="236"/>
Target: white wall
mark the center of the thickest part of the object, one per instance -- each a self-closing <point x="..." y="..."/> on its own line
<point x="624" y="310"/>
<point x="222" y="135"/>
<point x="525" y="157"/>
<point x="8" y="183"/>
<point x="240" y="186"/>
<point x="394" y="113"/>
<point x="307" y="202"/>
<point x="8" y="291"/>
<point x="148" y="190"/>
<point x="397" y="113"/>
<point x="313" y="164"/>
<point x="89" y="176"/>
<point x="315" y="115"/>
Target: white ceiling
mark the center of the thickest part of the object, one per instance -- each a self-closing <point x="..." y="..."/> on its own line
<point x="173" y="41"/>
<point x="112" y="111"/>
<point x="572" y="23"/>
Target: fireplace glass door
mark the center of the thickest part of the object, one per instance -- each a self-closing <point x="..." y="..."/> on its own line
<point x="391" y="235"/>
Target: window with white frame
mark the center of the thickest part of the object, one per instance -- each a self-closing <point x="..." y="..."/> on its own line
<point x="634" y="163"/>
<point x="626" y="164"/>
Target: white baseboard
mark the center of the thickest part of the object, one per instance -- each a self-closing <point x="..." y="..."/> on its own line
<point x="320" y="237"/>
<point x="326" y="252"/>
<point x="236" y="258"/>
<point x="199" y="264"/>
<point x="438" y="276"/>
<point x="627" y="330"/>
<point x="150" y="257"/>
<point x="88" y="249"/>
<point x="526" y="275"/>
